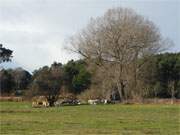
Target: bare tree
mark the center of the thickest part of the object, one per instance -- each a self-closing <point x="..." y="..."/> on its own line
<point x="115" y="42"/>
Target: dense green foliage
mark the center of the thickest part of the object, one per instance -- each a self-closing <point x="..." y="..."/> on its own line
<point x="5" y="54"/>
<point x="22" y="119"/>
<point x="6" y="82"/>
<point x="76" y="76"/>
<point x="162" y="75"/>
<point x="21" y="77"/>
<point x="48" y="82"/>
<point x="168" y="74"/>
<point x="13" y="80"/>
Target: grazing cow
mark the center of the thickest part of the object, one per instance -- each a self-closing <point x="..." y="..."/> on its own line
<point x="40" y="102"/>
<point x="105" y="101"/>
<point x="94" y="102"/>
<point x="67" y="102"/>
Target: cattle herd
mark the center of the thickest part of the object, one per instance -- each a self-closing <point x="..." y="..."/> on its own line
<point x="41" y="102"/>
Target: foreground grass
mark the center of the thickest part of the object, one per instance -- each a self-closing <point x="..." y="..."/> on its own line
<point x="22" y="119"/>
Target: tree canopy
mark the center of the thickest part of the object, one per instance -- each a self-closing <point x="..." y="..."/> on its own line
<point x="47" y="81"/>
<point x="14" y="80"/>
<point x="5" y="54"/>
<point x="115" y="42"/>
<point x="76" y="76"/>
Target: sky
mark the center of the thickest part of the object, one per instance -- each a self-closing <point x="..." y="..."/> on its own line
<point x="37" y="30"/>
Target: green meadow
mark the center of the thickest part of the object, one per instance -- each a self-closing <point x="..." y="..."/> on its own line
<point x="19" y="118"/>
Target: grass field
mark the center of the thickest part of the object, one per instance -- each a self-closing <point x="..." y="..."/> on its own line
<point x="19" y="118"/>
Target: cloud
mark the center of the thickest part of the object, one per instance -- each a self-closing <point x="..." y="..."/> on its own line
<point x="33" y="49"/>
<point x="35" y="35"/>
<point x="36" y="29"/>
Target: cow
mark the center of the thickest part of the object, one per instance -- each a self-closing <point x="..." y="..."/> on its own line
<point x="40" y="102"/>
<point x="94" y="102"/>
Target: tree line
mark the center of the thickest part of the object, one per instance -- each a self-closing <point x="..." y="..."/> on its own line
<point x="72" y="77"/>
<point x="14" y="81"/>
<point x="160" y="78"/>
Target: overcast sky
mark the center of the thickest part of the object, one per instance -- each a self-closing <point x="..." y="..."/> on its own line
<point x="36" y="30"/>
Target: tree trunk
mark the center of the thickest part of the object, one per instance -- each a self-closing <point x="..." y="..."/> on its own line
<point x="172" y="92"/>
<point x="51" y="100"/>
<point x="121" y="90"/>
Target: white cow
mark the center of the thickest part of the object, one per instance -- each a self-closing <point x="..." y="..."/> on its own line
<point x="105" y="101"/>
<point x="93" y="102"/>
